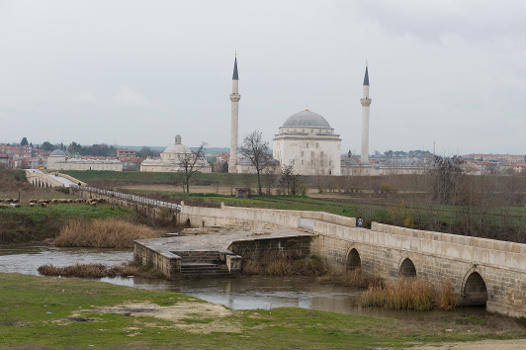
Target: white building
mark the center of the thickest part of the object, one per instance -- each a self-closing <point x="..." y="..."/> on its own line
<point x="58" y="160"/>
<point x="307" y="142"/>
<point x="173" y="158"/>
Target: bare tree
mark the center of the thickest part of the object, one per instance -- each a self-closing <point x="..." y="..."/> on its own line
<point x="187" y="162"/>
<point x="289" y="180"/>
<point x="270" y="176"/>
<point x="257" y="150"/>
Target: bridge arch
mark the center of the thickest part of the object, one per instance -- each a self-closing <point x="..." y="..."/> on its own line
<point x="407" y="268"/>
<point x="474" y="289"/>
<point x="353" y="260"/>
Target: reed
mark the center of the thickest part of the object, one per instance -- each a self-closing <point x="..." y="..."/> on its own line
<point x="276" y="265"/>
<point x="98" y="271"/>
<point x="102" y="233"/>
<point x="409" y="294"/>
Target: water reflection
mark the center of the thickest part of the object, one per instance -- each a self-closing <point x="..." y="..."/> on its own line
<point x="237" y="293"/>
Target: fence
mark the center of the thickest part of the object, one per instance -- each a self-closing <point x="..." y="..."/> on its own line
<point x="129" y="197"/>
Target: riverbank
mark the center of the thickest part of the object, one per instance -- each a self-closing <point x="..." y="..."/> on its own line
<point x="37" y="223"/>
<point x="40" y="312"/>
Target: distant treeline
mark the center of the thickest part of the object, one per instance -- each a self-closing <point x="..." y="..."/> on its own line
<point x="101" y="149"/>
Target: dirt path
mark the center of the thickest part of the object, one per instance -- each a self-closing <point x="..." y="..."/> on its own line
<point x="510" y="344"/>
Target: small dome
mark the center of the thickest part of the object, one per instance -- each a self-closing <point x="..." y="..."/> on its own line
<point x="177" y="147"/>
<point x="58" y="152"/>
<point x="308" y="119"/>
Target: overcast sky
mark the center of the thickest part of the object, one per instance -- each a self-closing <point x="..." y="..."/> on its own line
<point x="140" y="72"/>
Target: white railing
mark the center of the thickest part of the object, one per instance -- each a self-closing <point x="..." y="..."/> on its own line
<point x="129" y="197"/>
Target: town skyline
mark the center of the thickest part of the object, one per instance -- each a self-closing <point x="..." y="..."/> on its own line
<point x="445" y="82"/>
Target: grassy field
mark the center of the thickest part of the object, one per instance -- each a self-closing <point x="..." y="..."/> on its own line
<point x="43" y="312"/>
<point x="37" y="223"/>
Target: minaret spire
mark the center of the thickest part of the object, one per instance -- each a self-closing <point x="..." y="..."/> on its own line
<point x="366" y="102"/>
<point x="235" y="76"/>
<point x="234" y="98"/>
<point x="366" y="78"/>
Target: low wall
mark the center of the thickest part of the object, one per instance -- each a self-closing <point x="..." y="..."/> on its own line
<point x="270" y="248"/>
<point x="256" y="218"/>
<point x="167" y="263"/>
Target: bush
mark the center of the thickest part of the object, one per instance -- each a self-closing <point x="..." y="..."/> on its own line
<point x="409" y="294"/>
<point x="102" y="233"/>
<point x="283" y="266"/>
<point x="98" y="271"/>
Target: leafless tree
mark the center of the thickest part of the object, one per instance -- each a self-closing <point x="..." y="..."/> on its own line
<point x="257" y="151"/>
<point x="187" y="162"/>
<point x="447" y="178"/>
<point x="289" y="180"/>
<point x="270" y="176"/>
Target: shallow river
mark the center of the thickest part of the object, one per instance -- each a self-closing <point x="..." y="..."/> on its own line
<point x="237" y="293"/>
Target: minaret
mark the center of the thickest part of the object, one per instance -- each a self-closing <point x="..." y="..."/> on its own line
<point x="234" y="98"/>
<point x="366" y="102"/>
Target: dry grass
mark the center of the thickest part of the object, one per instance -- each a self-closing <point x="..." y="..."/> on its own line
<point x="98" y="271"/>
<point x="354" y="278"/>
<point x="283" y="266"/>
<point x="409" y="294"/>
<point x="78" y="270"/>
<point x="102" y="233"/>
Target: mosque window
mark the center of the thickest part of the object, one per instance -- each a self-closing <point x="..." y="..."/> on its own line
<point x="317" y="144"/>
<point x="302" y="154"/>
<point x="307" y="146"/>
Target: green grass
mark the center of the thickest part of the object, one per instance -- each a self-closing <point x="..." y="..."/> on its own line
<point x="37" y="223"/>
<point x="370" y="212"/>
<point x="34" y="313"/>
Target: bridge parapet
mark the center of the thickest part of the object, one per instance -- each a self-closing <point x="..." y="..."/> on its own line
<point x="503" y="254"/>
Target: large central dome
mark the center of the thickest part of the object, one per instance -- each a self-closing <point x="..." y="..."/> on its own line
<point x="306" y="119"/>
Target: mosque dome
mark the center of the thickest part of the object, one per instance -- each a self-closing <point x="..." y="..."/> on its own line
<point x="177" y="147"/>
<point x="306" y="119"/>
<point x="58" y="153"/>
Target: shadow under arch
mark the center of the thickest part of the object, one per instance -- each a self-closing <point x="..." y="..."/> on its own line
<point x="474" y="291"/>
<point x="407" y="268"/>
<point x="353" y="260"/>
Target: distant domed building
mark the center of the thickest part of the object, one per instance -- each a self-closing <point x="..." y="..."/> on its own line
<point x="171" y="159"/>
<point x="307" y="142"/>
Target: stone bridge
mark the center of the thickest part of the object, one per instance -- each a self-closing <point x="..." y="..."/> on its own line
<point x="482" y="271"/>
<point x="43" y="179"/>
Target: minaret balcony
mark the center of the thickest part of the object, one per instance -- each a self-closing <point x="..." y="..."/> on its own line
<point x="235" y="97"/>
<point x="366" y="101"/>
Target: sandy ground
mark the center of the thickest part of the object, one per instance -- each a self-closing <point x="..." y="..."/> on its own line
<point x="185" y="315"/>
<point x="512" y="344"/>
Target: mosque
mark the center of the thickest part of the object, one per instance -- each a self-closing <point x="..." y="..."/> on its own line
<point x="306" y="141"/>
<point x="173" y="159"/>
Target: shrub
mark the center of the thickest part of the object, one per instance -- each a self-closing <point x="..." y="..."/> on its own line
<point x="98" y="271"/>
<point x="102" y="233"/>
<point x="409" y="294"/>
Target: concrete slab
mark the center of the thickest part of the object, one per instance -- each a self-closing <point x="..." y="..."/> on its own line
<point x="215" y="241"/>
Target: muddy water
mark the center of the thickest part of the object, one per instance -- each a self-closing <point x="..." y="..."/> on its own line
<point x="237" y="293"/>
